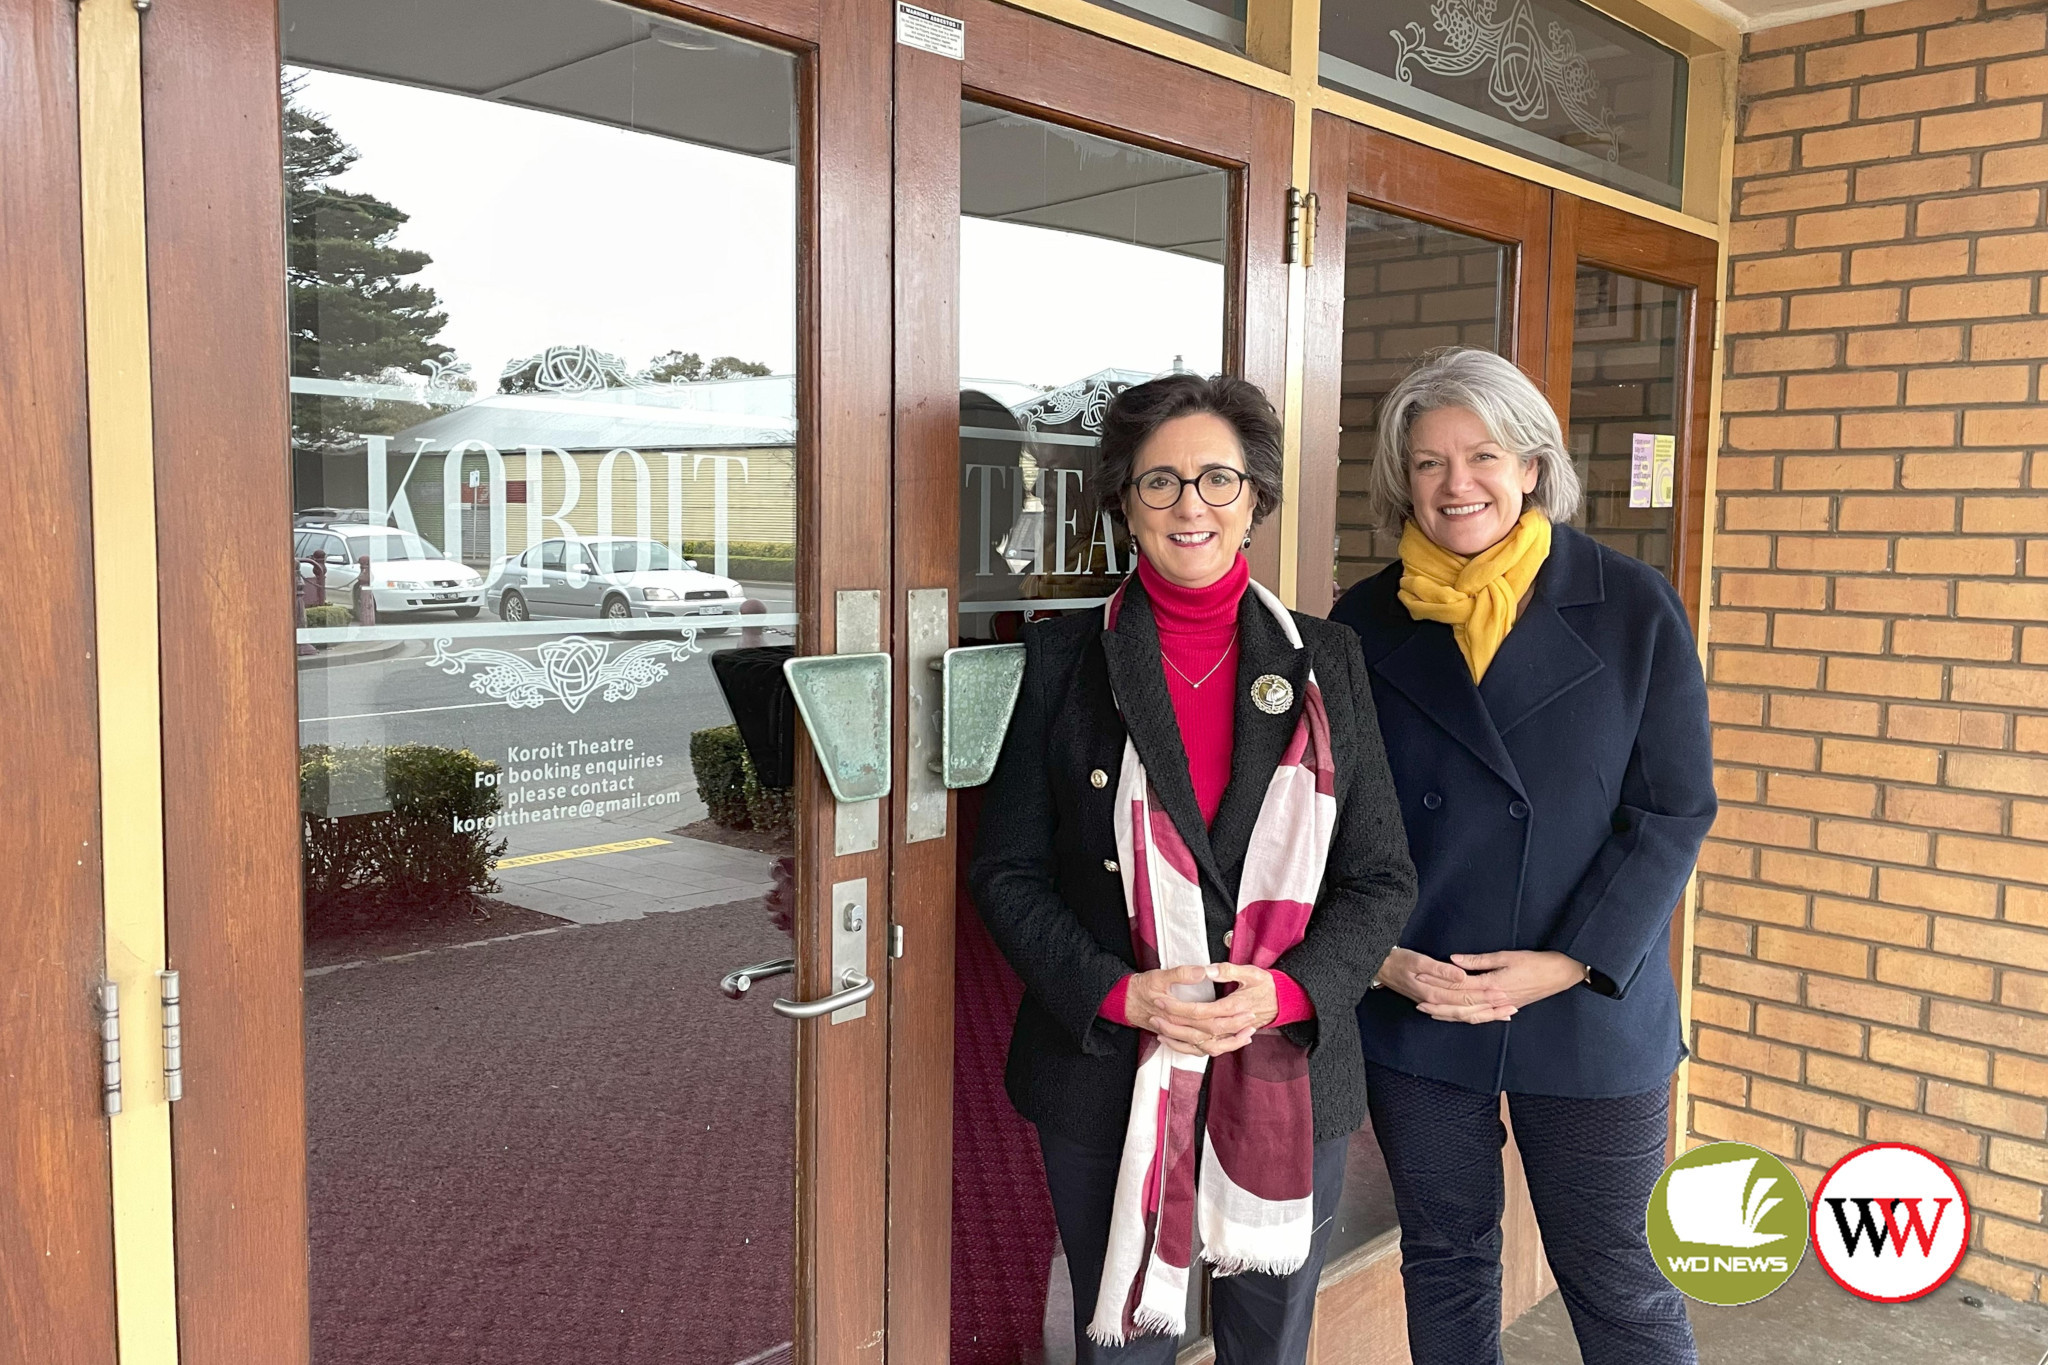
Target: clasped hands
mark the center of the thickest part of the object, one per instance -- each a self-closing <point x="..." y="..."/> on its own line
<point x="1478" y="988"/>
<point x="1211" y="1027"/>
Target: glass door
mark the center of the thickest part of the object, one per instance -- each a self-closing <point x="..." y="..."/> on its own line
<point x="1073" y="218"/>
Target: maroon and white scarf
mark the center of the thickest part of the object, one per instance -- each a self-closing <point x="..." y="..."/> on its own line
<point x="1254" y="1198"/>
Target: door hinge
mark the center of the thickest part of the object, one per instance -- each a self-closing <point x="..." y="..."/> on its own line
<point x="108" y="1001"/>
<point x="1301" y="228"/>
<point x="174" y="1040"/>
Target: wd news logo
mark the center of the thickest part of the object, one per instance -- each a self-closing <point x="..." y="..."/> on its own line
<point x="1890" y="1222"/>
<point x="1727" y="1223"/>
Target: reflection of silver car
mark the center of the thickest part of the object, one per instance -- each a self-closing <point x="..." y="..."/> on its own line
<point x="615" y="577"/>
<point x="406" y="573"/>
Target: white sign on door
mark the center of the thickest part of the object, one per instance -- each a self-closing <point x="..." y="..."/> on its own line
<point x="929" y="32"/>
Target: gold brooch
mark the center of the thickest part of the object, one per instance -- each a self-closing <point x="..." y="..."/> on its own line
<point x="1272" y="694"/>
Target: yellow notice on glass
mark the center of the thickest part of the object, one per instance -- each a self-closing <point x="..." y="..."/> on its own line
<point x="1663" y="469"/>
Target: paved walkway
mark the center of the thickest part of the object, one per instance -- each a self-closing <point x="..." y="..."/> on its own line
<point x="1812" y="1321"/>
<point x="626" y="884"/>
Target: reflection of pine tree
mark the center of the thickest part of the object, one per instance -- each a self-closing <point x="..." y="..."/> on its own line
<point x="353" y="312"/>
<point x="672" y="367"/>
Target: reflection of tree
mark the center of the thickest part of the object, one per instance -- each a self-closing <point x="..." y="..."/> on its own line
<point x="353" y="310"/>
<point x="674" y="367"/>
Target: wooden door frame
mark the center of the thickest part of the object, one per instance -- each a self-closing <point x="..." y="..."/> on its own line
<point x="1353" y="164"/>
<point x="217" y="329"/>
<point x="56" y="1238"/>
<point x="1042" y="69"/>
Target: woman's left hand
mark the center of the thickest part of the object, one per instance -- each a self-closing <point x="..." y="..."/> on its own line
<point x="1520" y="975"/>
<point x="1232" y="1019"/>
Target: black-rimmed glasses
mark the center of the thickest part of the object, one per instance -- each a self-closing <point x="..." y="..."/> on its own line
<point x="1160" y="489"/>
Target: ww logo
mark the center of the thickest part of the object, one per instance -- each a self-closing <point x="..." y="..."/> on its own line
<point x="1896" y="1222"/>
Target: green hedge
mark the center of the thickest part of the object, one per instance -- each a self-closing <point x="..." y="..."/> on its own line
<point x="756" y="561"/>
<point x="329" y="614"/>
<point x="730" y="788"/>
<point x="400" y="847"/>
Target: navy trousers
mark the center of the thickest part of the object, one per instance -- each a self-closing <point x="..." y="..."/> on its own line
<point x="1591" y="1166"/>
<point x="1256" y="1319"/>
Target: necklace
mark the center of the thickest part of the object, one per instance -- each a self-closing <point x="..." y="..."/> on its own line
<point x="1197" y="682"/>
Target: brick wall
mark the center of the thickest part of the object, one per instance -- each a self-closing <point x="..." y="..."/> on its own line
<point x="1873" y="934"/>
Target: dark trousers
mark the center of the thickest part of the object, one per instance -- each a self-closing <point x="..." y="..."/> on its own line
<point x="1256" y="1319"/>
<point x="1591" y="1166"/>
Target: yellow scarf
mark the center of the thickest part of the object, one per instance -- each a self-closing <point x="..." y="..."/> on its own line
<point x="1476" y="597"/>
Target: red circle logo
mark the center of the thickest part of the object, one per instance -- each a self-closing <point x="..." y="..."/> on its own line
<point x="1889" y="1222"/>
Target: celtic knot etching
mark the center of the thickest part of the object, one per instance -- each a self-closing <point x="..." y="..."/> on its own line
<point x="1530" y="70"/>
<point x="571" y="369"/>
<point x="1087" y="399"/>
<point x="571" y="670"/>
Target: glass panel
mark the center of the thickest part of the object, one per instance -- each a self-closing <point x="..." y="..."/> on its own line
<point x="1086" y="266"/>
<point x="542" y="276"/>
<point x="1408" y="287"/>
<point x="1625" y="355"/>
<point x="1220" y="23"/>
<point x="1552" y="79"/>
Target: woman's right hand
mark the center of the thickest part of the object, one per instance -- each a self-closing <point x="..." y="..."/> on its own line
<point x="1459" y="996"/>
<point x="1184" y="1026"/>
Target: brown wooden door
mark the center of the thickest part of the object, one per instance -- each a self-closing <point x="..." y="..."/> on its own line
<point x="56" y="1245"/>
<point x="517" y="1121"/>
<point x="1071" y="217"/>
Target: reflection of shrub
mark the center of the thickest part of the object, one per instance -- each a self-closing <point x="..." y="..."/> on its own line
<point x="757" y="561"/>
<point x="379" y="826"/>
<point x="730" y="788"/>
<point x="329" y="614"/>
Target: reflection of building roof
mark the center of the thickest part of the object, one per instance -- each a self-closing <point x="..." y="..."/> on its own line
<point x="715" y="415"/>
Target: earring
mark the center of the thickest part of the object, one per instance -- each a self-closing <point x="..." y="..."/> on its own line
<point x="1247" y="541"/>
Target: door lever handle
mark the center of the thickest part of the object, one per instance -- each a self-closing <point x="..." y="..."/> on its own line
<point x="737" y="982"/>
<point x="855" y="987"/>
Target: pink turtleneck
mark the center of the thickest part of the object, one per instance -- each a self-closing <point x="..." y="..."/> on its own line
<point x="1198" y="641"/>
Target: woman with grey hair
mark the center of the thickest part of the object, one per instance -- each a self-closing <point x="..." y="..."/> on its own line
<point x="1546" y="723"/>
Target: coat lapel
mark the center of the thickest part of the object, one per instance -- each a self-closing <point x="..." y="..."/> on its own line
<point x="1543" y="657"/>
<point x="1259" y="739"/>
<point x="1428" y="669"/>
<point x="1139" y="680"/>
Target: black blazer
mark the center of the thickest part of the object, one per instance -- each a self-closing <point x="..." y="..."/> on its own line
<point x="1044" y="871"/>
<point x="1560" y="804"/>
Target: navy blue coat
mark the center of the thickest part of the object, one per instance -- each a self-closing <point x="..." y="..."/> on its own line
<point x="1558" y="805"/>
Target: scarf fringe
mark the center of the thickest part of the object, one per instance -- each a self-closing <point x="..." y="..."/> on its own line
<point x="1145" y="1322"/>
<point x="1253" y="1265"/>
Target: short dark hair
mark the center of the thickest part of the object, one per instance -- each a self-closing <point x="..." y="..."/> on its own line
<point x="1142" y="409"/>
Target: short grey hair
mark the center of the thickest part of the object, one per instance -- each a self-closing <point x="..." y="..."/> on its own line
<point x="1514" y="410"/>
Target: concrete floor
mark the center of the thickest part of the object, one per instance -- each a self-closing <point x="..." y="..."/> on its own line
<point x="1812" y="1321"/>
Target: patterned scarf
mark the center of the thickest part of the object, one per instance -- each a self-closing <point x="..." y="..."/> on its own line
<point x="1479" y="597"/>
<point x="1254" y="1200"/>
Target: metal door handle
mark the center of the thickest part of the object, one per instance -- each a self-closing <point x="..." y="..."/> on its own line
<point x="856" y="987"/>
<point x="737" y="982"/>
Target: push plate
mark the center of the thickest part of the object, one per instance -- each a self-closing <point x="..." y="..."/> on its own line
<point x="931" y="628"/>
<point x="980" y="685"/>
<point x="844" y="700"/>
<point x="857" y="629"/>
<point x="849" y="940"/>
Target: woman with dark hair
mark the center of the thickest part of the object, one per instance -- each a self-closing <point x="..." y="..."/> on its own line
<point x="1191" y="854"/>
<point x="1547" y="727"/>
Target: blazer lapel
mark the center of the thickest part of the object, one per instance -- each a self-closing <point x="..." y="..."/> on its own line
<point x="1259" y="739"/>
<point x="1428" y="669"/>
<point x="1139" y="680"/>
<point x="1543" y="657"/>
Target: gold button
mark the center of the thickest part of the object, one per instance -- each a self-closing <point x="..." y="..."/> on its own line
<point x="1098" y="778"/>
<point x="1227" y="935"/>
<point x="1109" y="864"/>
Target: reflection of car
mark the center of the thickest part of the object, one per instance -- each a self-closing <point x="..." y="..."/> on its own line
<point x="321" y="516"/>
<point x="615" y="577"/>
<point x="406" y="573"/>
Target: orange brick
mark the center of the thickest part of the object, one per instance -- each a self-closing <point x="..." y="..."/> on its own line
<point x="1963" y="468"/>
<point x="1824" y="554"/>
<point x="1855" y="61"/>
<point x="1934" y="974"/>
<point x="2004" y="601"/>
<point x="1830" y="634"/>
<point x="2015" y="80"/>
<point x="1744" y="471"/>
<point x="2019" y="253"/>
<point x="1974" y="213"/>
<point x="1789" y="193"/>
<point x="1767" y="76"/>
<point x="1917" y="14"/>
<point x="1835" y="715"/>
<point x="1865" y="389"/>
<point x="1952" y="640"/>
<point x="2034" y="645"/>
<point x="2026" y="687"/>
<point x="2026" y="905"/>
<point x="2022" y="1159"/>
<point x="1815" y="952"/>
<point x="2009" y="341"/>
<point x="1982" y="299"/>
<point x="1995" y="516"/>
<point x="1917" y="261"/>
<point x="1809" y="1030"/>
<point x="1746" y="900"/>
<point x="1790" y="113"/>
<point x="1717" y="1083"/>
<point x="1999" y="773"/>
<point x="1953" y="556"/>
<point x="1970" y="384"/>
<point x="1752" y="826"/>
<point x="2007" y="858"/>
<point x="1715" y="935"/>
<point x="1894" y="429"/>
<point x="1774" y="590"/>
<point x="1885" y="1086"/>
<point x="1725" y="1011"/>
<point x="2030" y="733"/>
<point x="1847" y="308"/>
<point x="1894" y="762"/>
<point x="1741" y="1125"/>
<point x="1737" y="668"/>
<point x="2022" y="991"/>
<point x="1884" y="678"/>
<point x="1750" y="1054"/>
<point x="1943" y="810"/>
<point x="1815" y="432"/>
<point x="1879" y="1003"/>
<point x="1808" y="872"/>
<point x="1882" y="843"/>
<point x="2004" y="427"/>
<point x="1917" y="94"/>
<point x="1932" y="891"/>
<point x="1783" y="274"/>
<point x="1862" y="142"/>
<point x="1822" y="795"/>
<point x="2006" y="945"/>
<point x="1898" y="514"/>
<point x="1905" y="346"/>
<point x="1993" y="38"/>
<point x="2030" y="821"/>
<point x="1748" y="395"/>
<point x="1744" y="977"/>
<point x="1719" y="859"/>
<point x="1942" y="1139"/>
<point x="1805" y="1106"/>
<point x="1987" y="1109"/>
<point x="1995" y="1027"/>
<point x="1759" y="237"/>
<point x="1907" y="179"/>
<point x="1731" y="627"/>
<point x="2012" y="1239"/>
<point x="1978" y="127"/>
<point x="1892" y="596"/>
<point x="1929" y="1056"/>
<point x="1786" y="353"/>
<point x="1765" y="749"/>
<point x="1763" y="156"/>
<point x="1878" y="923"/>
<point x="1989" y="1194"/>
